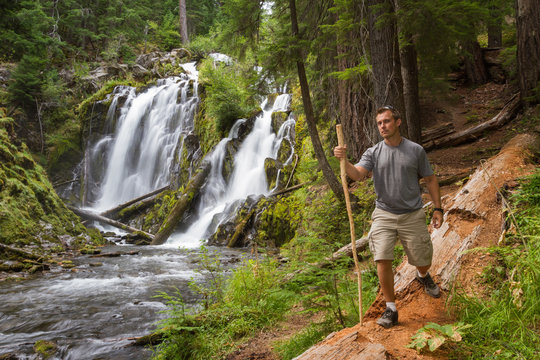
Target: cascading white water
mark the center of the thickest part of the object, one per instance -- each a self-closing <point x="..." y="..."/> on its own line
<point x="248" y="176"/>
<point x="139" y="154"/>
<point x="148" y="130"/>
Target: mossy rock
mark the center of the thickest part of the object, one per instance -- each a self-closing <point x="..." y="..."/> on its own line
<point x="45" y="348"/>
<point x="271" y="169"/>
<point x="31" y="214"/>
<point x="278" y="118"/>
<point x="277" y="221"/>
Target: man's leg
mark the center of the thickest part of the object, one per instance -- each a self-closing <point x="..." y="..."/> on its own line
<point x="422" y="270"/>
<point x="416" y="241"/>
<point x="386" y="278"/>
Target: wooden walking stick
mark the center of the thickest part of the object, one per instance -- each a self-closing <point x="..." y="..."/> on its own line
<point x="342" y="164"/>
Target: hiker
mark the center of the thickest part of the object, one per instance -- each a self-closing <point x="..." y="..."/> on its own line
<point x="397" y="164"/>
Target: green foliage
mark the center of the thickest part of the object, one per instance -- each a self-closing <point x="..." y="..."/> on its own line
<point x="227" y="95"/>
<point x="437" y="26"/>
<point x="299" y="343"/>
<point x="433" y="336"/>
<point x="210" y="268"/>
<point x="166" y="34"/>
<point x="251" y="299"/>
<point x="504" y="325"/>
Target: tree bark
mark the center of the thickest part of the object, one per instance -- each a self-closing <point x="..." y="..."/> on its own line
<point x="182" y="14"/>
<point x="528" y="49"/>
<point x="175" y="215"/>
<point x="409" y="71"/>
<point x="474" y="64"/>
<point x="385" y="61"/>
<point x="354" y="98"/>
<point x="103" y="219"/>
<point x="494" y="28"/>
<point x="329" y="175"/>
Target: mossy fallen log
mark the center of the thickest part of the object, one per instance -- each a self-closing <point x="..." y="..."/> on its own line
<point x="240" y="229"/>
<point x="175" y="215"/>
<point x="118" y="208"/>
<point x="507" y="113"/>
<point x="19" y="252"/>
<point x="103" y="219"/>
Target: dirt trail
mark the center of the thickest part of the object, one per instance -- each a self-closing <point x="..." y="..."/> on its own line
<point x="472" y="223"/>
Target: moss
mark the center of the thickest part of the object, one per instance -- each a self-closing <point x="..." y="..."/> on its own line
<point x="278" y="221"/>
<point x="45" y="348"/>
<point x="205" y="126"/>
<point x="31" y="214"/>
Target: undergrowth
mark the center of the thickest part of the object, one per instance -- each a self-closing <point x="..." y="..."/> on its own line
<point x="260" y="293"/>
<point x="506" y="325"/>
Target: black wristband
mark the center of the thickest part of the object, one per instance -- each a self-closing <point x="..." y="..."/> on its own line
<point x="439" y="209"/>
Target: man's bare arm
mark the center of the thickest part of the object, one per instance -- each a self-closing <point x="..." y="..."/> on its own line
<point x="356" y="173"/>
<point x="435" y="193"/>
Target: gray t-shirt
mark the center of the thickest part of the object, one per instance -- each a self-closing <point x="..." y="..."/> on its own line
<point x="396" y="171"/>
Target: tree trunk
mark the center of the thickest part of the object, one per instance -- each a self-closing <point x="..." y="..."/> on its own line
<point x="528" y="49"/>
<point x="183" y="21"/>
<point x="355" y="113"/>
<point x="474" y="64"/>
<point x="116" y="209"/>
<point x="494" y="28"/>
<point x="409" y="71"/>
<point x="387" y="81"/>
<point x="175" y="215"/>
<point x="103" y="219"/>
<point x="329" y="175"/>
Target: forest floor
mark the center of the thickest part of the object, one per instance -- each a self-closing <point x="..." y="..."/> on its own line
<point x="465" y="107"/>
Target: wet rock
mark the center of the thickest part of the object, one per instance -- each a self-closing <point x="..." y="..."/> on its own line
<point x="271" y="168"/>
<point x="139" y="72"/>
<point x="135" y="239"/>
<point x="278" y="118"/>
<point x="45" y="348"/>
<point x="11" y="266"/>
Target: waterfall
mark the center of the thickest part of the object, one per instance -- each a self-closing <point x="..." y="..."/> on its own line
<point x="143" y="135"/>
<point x="248" y="177"/>
<point x="138" y="154"/>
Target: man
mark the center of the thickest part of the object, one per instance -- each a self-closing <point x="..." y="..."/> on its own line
<point x="397" y="165"/>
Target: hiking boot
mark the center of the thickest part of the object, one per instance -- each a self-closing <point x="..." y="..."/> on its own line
<point x="429" y="285"/>
<point x="388" y="319"/>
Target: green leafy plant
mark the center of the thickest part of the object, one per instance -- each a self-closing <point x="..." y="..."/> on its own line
<point x="433" y="336"/>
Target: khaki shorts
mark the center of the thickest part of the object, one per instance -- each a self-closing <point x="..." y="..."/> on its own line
<point x="410" y="228"/>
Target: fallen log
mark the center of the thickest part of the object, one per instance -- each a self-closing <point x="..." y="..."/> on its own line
<point x="133" y="201"/>
<point x="93" y="216"/>
<point x="240" y="229"/>
<point x="175" y="215"/>
<point x="284" y="191"/>
<point x="472" y="215"/>
<point x="345" y="251"/>
<point x="507" y="113"/>
<point x="115" y="254"/>
<point x="19" y="252"/>
<point x="438" y="132"/>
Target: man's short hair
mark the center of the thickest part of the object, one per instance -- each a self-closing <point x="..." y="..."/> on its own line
<point x="395" y="114"/>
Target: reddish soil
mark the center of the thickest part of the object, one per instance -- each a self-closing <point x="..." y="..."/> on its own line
<point x="468" y="107"/>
